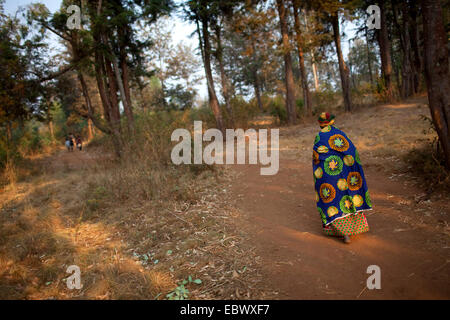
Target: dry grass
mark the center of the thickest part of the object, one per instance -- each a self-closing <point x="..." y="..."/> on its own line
<point x="135" y="229"/>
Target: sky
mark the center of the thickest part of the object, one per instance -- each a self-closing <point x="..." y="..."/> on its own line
<point x="181" y="30"/>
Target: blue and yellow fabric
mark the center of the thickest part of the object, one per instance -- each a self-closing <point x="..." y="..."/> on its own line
<point x="341" y="187"/>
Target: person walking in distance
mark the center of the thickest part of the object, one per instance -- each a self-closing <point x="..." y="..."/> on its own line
<point x="79" y="143"/>
<point x="67" y="143"/>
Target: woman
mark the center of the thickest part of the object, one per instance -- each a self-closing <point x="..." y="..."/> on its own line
<point x="71" y="142"/>
<point x="341" y="188"/>
<point x="79" y="143"/>
<point x="68" y="143"/>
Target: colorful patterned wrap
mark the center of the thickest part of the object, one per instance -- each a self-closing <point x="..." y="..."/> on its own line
<point x="340" y="183"/>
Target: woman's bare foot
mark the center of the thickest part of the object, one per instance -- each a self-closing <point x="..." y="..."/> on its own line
<point x="347" y="239"/>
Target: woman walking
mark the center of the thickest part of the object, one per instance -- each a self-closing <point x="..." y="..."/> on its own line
<point x="341" y="188"/>
<point x="79" y="143"/>
<point x="71" y="142"/>
<point x="67" y="143"/>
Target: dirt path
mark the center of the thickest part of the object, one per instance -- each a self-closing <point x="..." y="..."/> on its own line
<point x="300" y="262"/>
<point x="64" y="159"/>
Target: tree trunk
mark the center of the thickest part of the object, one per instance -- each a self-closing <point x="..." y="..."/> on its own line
<point x="52" y="133"/>
<point x="223" y="76"/>
<point x="314" y="67"/>
<point x="8" y="134"/>
<point x="417" y="63"/>
<point x="407" y="85"/>
<point x="407" y="69"/>
<point x="87" y="99"/>
<point x="343" y="70"/>
<point x="107" y="104"/>
<point x="256" y="81"/>
<point x="124" y="67"/>
<point x="385" y="53"/>
<point x="437" y="73"/>
<point x="313" y="59"/>
<point x="112" y="85"/>
<point x="124" y="99"/>
<point x="125" y="80"/>
<point x="90" y="130"/>
<point x="256" y="86"/>
<point x="369" y="62"/>
<point x="289" y="75"/>
<point x="105" y="80"/>
<point x="213" y="101"/>
<point x="301" y="61"/>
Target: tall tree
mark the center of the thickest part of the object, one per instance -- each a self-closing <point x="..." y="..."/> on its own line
<point x="403" y="31"/>
<point x="329" y="12"/>
<point x="343" y="69"/>
<point x="385" y="51"/>
<point x="288" y="74"/>
<point x="218" y="54"/>
<point x="307" y="15"/>
<point x="416" y="54"/>
<point x="250" y="56"/>
<point x="22" y="95"/>
<point x="437" y="71"/>
<point x="104" y="44"/>
<point x="301" y="59"/>
<point x="201" y="12"/>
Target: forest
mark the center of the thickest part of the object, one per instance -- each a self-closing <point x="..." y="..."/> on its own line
<point x="115" y="74"/>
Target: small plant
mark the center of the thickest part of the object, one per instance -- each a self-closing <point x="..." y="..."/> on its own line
<point x="146" y="258"/>
<point x="181" y="292"/>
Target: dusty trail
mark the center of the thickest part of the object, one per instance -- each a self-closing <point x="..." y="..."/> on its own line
<point x="301" y="263"/>
<point x="71" y="160"/>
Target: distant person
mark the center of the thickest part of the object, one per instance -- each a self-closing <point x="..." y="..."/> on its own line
<point x="68" y="143"/>
<point x="71" y="142"/>
<point x="79" y="143"/>
<point x="341" y="188"/>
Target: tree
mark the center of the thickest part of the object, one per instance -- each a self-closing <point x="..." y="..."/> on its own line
<point x="343" y="69"/>
<point x="288" y="74"/>
<point x="250" y="40"/>
<point x="159" y="54"/>
<point x="362" y="61"/>
<point x="218" y="54"/>
<point x="201" y="12"/>
<point x="309" y="34"/>
<point x="106" y="47"/>
<point x="22" y="95"/>
<point x="329" y="11"/>
<point x="403" y="31"/>
<point x="301" y="60"/>
<point x="385" y="52"/>
<point x="183" y="65"/>
<point x="437" y="73"/>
